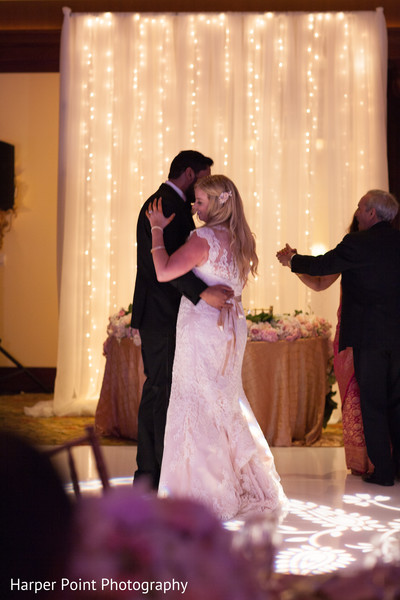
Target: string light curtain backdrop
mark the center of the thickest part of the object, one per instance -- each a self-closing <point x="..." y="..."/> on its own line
<point x="290" y="106"/>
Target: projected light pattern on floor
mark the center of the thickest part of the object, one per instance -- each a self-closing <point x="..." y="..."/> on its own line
<point x="317" y="539"/>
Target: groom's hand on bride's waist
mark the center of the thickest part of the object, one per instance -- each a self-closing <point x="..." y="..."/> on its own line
<point x="218" y="296"/>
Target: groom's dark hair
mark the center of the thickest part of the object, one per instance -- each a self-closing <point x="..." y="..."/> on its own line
<point x="189" y="158"/>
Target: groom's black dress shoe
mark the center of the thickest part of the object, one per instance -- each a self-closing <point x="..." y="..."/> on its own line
<point x="372" y="478"/>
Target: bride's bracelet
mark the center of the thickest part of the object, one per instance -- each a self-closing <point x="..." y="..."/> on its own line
<point x="156" y="248"/>
<point x="157" y="227"/>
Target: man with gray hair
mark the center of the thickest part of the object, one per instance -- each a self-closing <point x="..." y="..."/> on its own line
<point x="369" y="261"/>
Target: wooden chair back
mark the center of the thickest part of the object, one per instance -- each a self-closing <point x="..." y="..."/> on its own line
<point x="89" y="438"/>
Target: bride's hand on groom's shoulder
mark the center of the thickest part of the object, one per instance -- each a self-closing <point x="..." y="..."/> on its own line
<point x="155" y="214"/>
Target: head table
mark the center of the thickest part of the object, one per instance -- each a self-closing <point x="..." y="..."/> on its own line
<point x="285" y="382"/>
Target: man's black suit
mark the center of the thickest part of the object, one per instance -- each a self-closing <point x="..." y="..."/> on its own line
<point x="154" y="313"/>
<point x="370" y="323"/>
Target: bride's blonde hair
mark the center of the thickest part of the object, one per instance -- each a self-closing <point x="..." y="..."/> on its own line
<point x="226" y="208"/>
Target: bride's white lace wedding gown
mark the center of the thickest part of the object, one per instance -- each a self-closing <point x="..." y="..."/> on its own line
<point x="214" y="450"/>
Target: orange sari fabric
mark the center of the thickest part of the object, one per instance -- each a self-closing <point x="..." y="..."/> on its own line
<point x="353" y="431"/>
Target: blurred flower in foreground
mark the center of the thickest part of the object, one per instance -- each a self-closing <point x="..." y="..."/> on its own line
<point x="132" y="544"/>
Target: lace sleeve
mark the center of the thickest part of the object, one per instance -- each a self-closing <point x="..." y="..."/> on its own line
<point x="208" y="234"/>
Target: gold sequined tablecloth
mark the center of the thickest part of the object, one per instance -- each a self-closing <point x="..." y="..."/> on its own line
<point x="285" y="383"/>
<point x="118" y="406"/>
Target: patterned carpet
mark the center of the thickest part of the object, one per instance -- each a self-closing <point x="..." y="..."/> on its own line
<point x="57" y="430"/>
<point x="48" y="431"/>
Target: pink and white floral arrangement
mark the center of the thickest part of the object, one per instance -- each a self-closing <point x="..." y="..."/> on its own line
<point x="261" y="326"/>
<point x="119" y="326"/>
<point x="287" y="327"/>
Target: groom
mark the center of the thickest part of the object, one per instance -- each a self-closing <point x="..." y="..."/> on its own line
<point x="156" y="305"/>
<point x="369" y="261"/>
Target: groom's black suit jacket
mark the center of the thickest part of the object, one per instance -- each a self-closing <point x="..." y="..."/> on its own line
<point x="370" y="265"/>
<point x="155" y="304"/>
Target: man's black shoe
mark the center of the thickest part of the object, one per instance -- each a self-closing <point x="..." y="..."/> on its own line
<point x="372" y="478"/>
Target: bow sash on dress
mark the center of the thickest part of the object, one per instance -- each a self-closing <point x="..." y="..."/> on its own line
<point x="227" y="321"/>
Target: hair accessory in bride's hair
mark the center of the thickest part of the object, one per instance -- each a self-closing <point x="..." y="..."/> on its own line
<point x="223" y="197"/>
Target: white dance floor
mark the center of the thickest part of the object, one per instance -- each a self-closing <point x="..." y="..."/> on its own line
<point x="335" y="520"/>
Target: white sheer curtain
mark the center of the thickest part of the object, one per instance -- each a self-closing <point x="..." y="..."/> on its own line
<point x="291" y="106"/>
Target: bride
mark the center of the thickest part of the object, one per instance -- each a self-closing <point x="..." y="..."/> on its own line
<point x="214" y="450"/>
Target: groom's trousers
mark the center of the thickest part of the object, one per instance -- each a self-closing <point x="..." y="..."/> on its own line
<point x="158" y="351"/>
